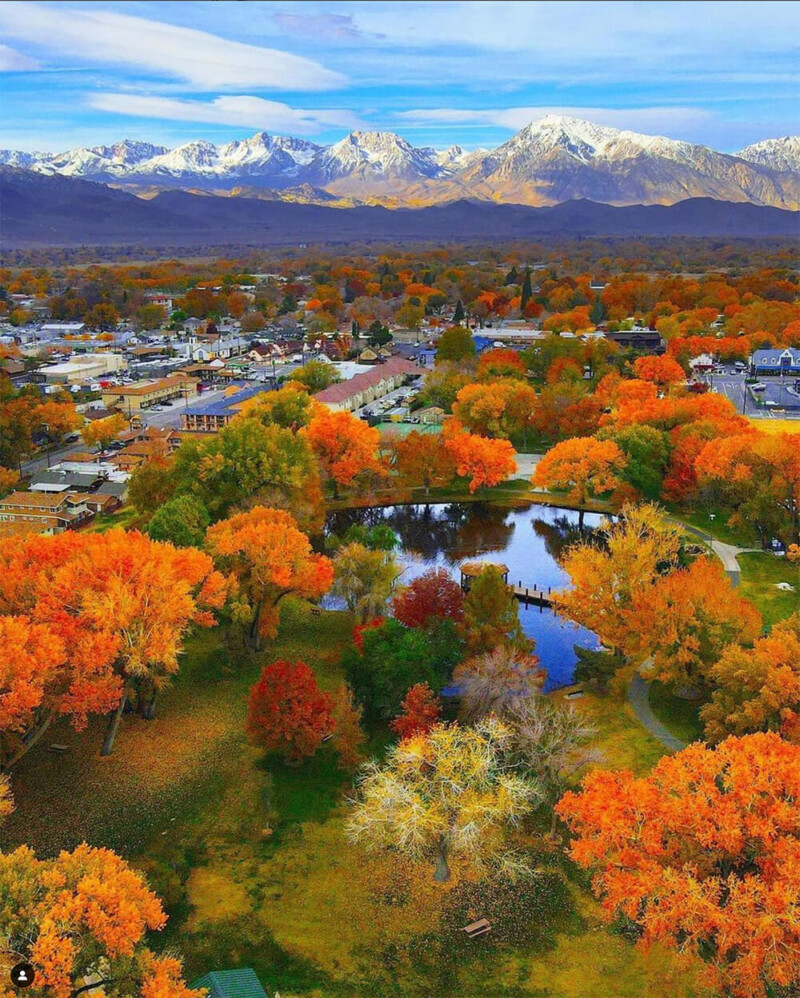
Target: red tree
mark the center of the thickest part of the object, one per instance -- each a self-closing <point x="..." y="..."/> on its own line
<point x="421" y="711"/>
<point x="432" y="595"/>
<point x="288" y="713"/>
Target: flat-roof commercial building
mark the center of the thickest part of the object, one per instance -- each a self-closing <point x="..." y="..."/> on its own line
<point x="372" y="384"/>
<point x="86" y="367"/>
<point x="133" y="398"/>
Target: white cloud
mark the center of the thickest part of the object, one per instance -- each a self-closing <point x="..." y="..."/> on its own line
<point x="15" y="62"/>
<point x="207" y="61"/>
<point x="650" y="120"/>
<point x="248" y="112"/>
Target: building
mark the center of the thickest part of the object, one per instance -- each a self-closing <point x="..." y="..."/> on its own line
<point x="78" y="370"/>
<point x="55" y="512"/>
<point x="365" y="388"/>
<point x="776" y="361"/>
<point x="241" y="983"/>
<point x="134" y="398"/>
<point x="55" y="330"/>
<point x="213" y="417"/>
<point x="644" y="340"/>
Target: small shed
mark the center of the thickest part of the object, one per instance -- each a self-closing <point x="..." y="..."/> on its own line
<point x="241" y="983"/>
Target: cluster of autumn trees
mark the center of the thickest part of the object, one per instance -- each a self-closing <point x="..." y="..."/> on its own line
<point x="29" y="419"/>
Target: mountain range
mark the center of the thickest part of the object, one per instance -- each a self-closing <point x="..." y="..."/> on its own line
<point x="40" y="210"/>
<point x="551" y="160"/>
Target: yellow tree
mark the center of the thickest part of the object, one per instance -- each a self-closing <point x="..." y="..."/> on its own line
<point x="450" y="792"/>
<point x="102" y="432"/>
<point x="611" y="579"/>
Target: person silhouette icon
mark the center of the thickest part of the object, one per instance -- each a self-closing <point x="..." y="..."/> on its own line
<point x="22" y="976"/>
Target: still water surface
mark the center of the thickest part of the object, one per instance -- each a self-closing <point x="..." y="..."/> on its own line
<point x="528" y="540"/>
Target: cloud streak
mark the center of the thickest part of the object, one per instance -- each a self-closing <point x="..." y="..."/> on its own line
<point x="671" y="120"/>
<point x="207" y="61"/>
<point x="15" y="62"/>
<point x="243" y="111"/>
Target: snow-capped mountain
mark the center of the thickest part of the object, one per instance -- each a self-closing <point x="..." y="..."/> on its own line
<point x="553" y="159"/>
<point x="559" y="158"/>
<point x="777" y="154"/>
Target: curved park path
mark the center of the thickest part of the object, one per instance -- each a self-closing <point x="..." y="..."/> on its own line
<point x="638" y="690"/>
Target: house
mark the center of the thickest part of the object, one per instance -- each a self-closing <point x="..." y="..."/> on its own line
<point x="241" y="983"/>
<point x="433" y="415"/>
<point x="644" y="340"/>
<point x="776" y="361"/>
<point x="55" y="330"/>
<point x="365" y="388"/>
<point x="65" y="481"/>
<point x="703" y="362"/>
<point x="61" y="510"/>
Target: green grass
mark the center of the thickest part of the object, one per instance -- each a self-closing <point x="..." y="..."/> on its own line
<point x="718" y="527"/>
<point x="760" y="574"/>
<point x="106" y="521"/>
<point x="680" y="716"/>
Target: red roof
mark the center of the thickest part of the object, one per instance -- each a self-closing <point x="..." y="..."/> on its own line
<point x="347" y="389"/>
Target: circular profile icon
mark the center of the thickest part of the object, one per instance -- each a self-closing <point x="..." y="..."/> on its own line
<point x="22" y="975"/>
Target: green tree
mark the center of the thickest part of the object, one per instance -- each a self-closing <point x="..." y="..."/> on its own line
<point x="527" y="290"/>
<point x="647" y="450"/>
<point x="183" y="521"/>
<point x="459" y="315"/>
<point x="315" y="376"/>
<point x="455" y="343"/>
<point x="394" y="658"/>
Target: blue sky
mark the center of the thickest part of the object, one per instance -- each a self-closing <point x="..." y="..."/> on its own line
<point x="84" y="73"/>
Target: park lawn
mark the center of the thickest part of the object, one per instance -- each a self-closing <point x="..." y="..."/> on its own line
<point x="622" y="742"/>
<point x="678" y="715"/>
<point x="718" y="527"/>
<point x="760" y="574"/>
<point x="251" y="858"/>
<point x="107" y="521"/>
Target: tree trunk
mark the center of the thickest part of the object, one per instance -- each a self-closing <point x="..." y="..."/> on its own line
<point x="441" y="871"/>
<point x="149" y="710"/>
<point x="114" y="719"/>
<point x="580" y="518"/>
<point x="28" y="745"/>
<point x="253" y="636"/>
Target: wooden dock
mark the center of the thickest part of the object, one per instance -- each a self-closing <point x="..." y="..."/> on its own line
<point x="531" y="595"/>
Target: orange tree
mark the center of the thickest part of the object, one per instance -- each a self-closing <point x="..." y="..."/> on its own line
<point x="102" y="432"/>
<point x="758" y="688"/>
<point x="119" y="603"/>
<point x="269" y="559"/>
<point x="686" y="619"/>
<point x="582" y="467"/>
<point x="703" y="854"/>
<point x="496" y="408"/>
<point x="421" y="712"/>
<point x="82" y="913"/>
<point x="424" y="459"/>
<point x="485" y="462"/>
<point x="344" y="446"/>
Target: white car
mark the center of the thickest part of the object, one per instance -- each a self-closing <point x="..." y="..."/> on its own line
<point x="758" y="386"/>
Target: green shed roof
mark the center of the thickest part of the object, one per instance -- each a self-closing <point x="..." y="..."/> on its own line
<point x="241" y="983"/>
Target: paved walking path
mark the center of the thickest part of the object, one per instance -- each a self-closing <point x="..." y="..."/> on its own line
<point x="638" y="698"/>
<point x="638" y="691"/>
<point x="525" y="464"/>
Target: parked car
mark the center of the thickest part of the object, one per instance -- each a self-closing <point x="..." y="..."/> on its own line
<point x="759" y="386"/>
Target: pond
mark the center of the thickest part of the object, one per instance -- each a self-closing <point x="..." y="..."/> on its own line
<point x="527" y="539"/>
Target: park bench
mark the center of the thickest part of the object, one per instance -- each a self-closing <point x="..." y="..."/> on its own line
<point x="59" y="749"/>
<point x="479" y="928"/>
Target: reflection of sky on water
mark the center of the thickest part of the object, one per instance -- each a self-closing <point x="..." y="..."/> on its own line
<point x="527" y="540"/>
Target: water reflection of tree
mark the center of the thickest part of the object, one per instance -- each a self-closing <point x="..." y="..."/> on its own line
<point x="435" y="532"/>
<point x="560" y="533"/>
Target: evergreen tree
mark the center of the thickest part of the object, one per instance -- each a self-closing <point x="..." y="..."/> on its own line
<point x="527" y="290"/>
<point x="598" y="312"/>
<point x="459" y="314"/>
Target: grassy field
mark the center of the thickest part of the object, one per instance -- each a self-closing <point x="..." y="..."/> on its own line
<point x="777" y="425"/>
<point x="251" y="858"/>
<point x="680" y="716"/>
<point x="761" y="572"/>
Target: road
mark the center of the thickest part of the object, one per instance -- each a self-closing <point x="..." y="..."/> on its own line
<point x="732" y="386"/>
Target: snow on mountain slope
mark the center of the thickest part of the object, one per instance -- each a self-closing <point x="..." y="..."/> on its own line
<point x="555" y="158"/>
<point x="777" y="154"/>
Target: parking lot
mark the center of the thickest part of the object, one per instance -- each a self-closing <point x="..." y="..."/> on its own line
<point x="777" y="396"/>
<point x="395" y="404"/>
